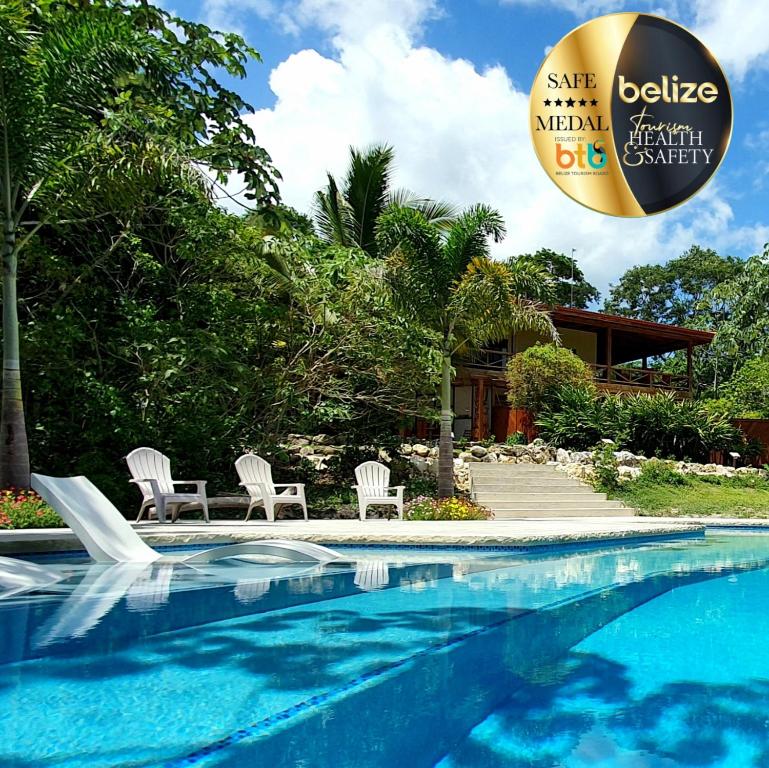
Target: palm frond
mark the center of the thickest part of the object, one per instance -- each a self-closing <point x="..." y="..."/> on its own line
<point x="366" y="191"/>
<point x="468" y="237"/>
<point x="531" y="280"/>
<point x="438" y="212"/>
<point x="333" y="216"/>
<point x="487" y="307"/>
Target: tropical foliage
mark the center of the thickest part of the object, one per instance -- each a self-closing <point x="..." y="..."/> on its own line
<point x="570" y="288"/>
<point x="97" y="101"/>
<point x="536" y="376"/>
<point x="348" y="214"/>
<point x="653" y="425"/>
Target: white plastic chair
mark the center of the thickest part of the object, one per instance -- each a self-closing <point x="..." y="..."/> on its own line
<point x="151" y="471"/>
<point x="374" y="487"/>
<point x="109" y="537"/>
<point x="256" y="477"/>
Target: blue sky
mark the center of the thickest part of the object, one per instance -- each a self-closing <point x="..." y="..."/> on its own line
<point x="446" y="83"/>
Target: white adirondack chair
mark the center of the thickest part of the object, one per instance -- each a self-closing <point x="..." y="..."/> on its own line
<point x="374" y="487"/>
<point x="151" y="471"/>
<point x="256" y="477"/>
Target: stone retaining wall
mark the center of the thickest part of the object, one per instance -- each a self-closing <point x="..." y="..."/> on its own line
<point x="578" y="464"/>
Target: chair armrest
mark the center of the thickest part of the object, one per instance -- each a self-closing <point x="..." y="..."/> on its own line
<point x="289" y="485"/>
<point x="189" y="482"/>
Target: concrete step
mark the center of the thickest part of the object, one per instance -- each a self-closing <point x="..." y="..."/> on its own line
<point x="555" y="505"/>
<point x="483" y="466"/>
<point x="522" y="486"/>
<point x="503" y="470"/>
<point x="515" y="514"/>
<point x="551" y="499"/>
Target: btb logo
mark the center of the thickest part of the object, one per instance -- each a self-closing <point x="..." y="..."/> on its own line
<point x="595" y="155"/>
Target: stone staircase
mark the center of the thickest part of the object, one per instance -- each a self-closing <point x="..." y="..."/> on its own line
<point x="537" y="490"/>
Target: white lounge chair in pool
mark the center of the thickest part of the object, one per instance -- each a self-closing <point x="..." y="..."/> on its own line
<point x="19" y="576"/>
<point x="109" y="537"/>
<point x="151" y="471"/>
<point x="374" y="487"/>
<point x="256" y="477"/>
<point x="371" y="575"/>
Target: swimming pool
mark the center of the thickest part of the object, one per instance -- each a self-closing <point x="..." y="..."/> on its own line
<point x="647" y="656"/>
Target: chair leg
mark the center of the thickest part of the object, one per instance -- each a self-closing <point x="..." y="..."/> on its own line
<point x="145" y="506"/>
<point x="251" y="508"/>
<point x="362" y="509"/>
<point x="269" y="509"/>
<point x="204" y="504"/>
<point x="160" y="508"/>
<point x="304" y="507"/>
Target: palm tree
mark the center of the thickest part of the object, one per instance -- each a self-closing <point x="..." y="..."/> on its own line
<point x="446" y="280"/>
<point x="348" y="215"/>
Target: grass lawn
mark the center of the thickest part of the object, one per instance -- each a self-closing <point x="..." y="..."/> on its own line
<point x="736" y="497"/>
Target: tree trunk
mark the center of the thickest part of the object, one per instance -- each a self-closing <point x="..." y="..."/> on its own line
<point x="446" y="443"/>
<point x="14" y="451"/>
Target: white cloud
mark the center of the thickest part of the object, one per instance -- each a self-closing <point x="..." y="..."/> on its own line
<point x="462" y="135"/>
<point x="736" y="32"/>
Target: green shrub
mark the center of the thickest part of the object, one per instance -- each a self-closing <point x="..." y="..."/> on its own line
<point x="575" y="420"/>
<point x="424" y="508"/>
<point x="653" y="425"/>
<point x="517" y="438"/>
<point x="25" y="509"/>
<point x="657" y="472"/>
<point x="606" y="467"/>
<point x="536" y="376"/>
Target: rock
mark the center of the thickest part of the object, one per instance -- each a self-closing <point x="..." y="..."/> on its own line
<point x="306" y="450"/>
<point x="478" y="451"/>
<point x="326" y="450"/>
<point x="607" y="441"/>
<point x="562" y="456"/>
<point x="383" y="456"/>
<point x="420" y="450"/>
<point x="468" y="457"/>
<point x="321" y="439"/>
<point x="406" y="449"/>
<point x="419" y="463"/>
<point x="434" y="452"/>
<point x="629" y="473"/>
<point x="295" y="443"/>
<point x="626" y="458"/>
<point x="525" y="460"/>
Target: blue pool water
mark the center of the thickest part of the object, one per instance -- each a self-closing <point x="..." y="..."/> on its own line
<point x="649" y="656"/>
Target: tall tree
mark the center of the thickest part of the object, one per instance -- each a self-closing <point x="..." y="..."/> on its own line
<point x="86" y="88"/>
<point x="570" y="289"/>
<point x="347" y="215"/>
<point x="677" y="292"/>
<point x="445" y="280"/>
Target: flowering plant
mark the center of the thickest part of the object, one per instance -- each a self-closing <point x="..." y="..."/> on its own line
<point x="426" y="508"/>
<point x="20" y="508"/>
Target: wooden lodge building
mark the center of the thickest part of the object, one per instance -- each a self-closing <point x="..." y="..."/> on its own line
<point x="611" y="345"/>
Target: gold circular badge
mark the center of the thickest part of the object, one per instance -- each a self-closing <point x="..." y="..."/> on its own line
<point x="630" y="114"/>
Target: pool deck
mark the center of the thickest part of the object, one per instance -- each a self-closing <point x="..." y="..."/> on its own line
<point x="501" y="533"/>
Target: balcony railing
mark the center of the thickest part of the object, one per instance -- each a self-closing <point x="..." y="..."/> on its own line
<point x="641" y="377"/>
<point x="487" y="359"/>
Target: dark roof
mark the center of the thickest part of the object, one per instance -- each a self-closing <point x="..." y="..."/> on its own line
<point x="631" y="339"/>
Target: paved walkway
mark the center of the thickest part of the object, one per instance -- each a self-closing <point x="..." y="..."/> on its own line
<point x="472" y="533"/>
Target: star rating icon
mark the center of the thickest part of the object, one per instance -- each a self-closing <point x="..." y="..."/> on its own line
<point x="582" y="103"/>
<point x="558" y="102"/>
<point x="569" y="102"/>
<point x="547" y="102"/>
<point x="593" y="102"/>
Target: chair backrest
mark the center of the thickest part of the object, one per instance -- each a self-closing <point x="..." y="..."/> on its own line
<point x="253" y="469"/>
<point x="149" y="463"/>
<point x="94" y="519"/>
<point x="373" y="477"/>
